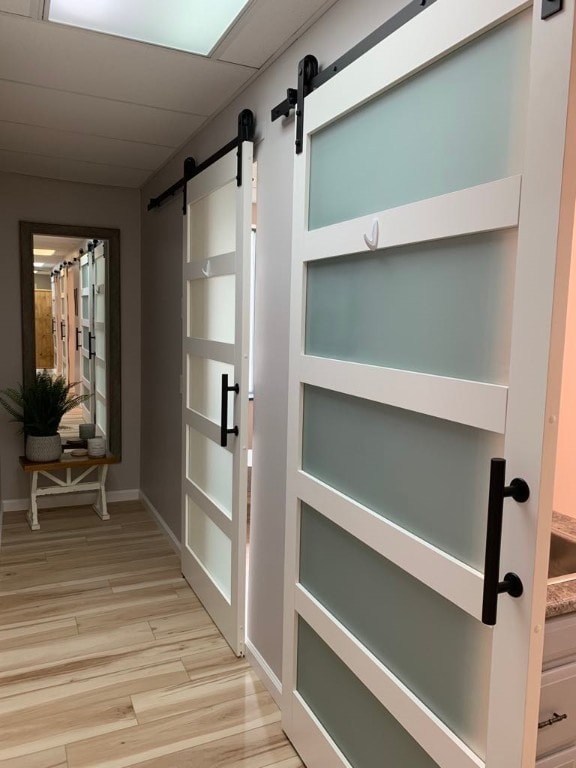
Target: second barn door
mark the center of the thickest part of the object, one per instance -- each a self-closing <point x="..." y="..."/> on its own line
<point x="216" y="314"/>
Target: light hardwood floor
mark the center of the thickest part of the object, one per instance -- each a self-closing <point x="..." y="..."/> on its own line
<point x="107" y="659"/>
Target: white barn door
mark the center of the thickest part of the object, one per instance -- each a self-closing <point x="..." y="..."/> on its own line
<point x="216" y="307"/>
<point x="426" y="212"/>
<point x="99" y="288"/>
<point x="87" y="351"/>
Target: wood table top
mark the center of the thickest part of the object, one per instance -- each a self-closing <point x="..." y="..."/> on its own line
<point x="65" y="462"/>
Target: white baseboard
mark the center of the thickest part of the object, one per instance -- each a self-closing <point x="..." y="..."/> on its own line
<point x="160" y="520"/>
<point x="264" y="672"/>
<point x="131" y="494"/>
<point x="71" y="500"/>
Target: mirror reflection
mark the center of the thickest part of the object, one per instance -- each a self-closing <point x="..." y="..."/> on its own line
<point x="70" y="299"/>
<point x="70" y="323"/>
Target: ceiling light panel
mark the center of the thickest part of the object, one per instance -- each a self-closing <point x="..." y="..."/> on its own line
<point x="195" y="26"/>
<point x="44" y="251"/>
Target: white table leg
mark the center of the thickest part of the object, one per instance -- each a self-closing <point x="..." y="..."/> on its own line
<point x="32" y="515"/>
<point x="101" y="507"/>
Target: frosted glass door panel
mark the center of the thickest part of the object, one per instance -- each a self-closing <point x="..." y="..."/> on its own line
<point x="364" y="731"/>
<point x="213" y="224"/>
<point x="210" y="468"/>
<point x="428" y="475"/>
<point x="85" y="308"/>
<point x="437" y="650"/>
<point x="100" y="306"/>
<point x="100" y="376"/>
<point x="457" y="124"/>
<point x="211" y="308"/>
<point x="85" y="275"/>
<point x="101" y="416"/>
<point x="441" y="307"/>
<point x="100" y="343"/>
<point x="209" y="545"/>
<point x="204" y="386"/>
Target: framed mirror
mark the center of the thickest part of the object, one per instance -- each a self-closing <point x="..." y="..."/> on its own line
<point x="70" y="299"/>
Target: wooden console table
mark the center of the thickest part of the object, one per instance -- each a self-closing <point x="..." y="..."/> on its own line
<point x="69" y="484"/>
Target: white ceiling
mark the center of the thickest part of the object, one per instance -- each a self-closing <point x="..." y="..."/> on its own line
<point x="64" y="247"/>
<point x="86" y="106"/>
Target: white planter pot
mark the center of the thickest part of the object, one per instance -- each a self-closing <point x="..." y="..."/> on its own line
<point x="43" y="448"/>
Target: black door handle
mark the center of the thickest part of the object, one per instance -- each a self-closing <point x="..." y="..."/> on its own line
<point x="62" y="334"/>
<point x="512" y="584"/>
<point x="78" y="339"/>
<point x="224" y="431"/>
<point x="91" y="352"/>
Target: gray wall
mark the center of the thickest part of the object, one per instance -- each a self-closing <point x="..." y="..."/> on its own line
<point x="341" y="27"/>
<point x="58" y="202"/>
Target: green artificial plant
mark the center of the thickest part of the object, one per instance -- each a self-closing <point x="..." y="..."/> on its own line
<point x="40" y="405"/>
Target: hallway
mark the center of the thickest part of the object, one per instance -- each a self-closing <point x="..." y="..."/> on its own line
<point x="109" y="660"/>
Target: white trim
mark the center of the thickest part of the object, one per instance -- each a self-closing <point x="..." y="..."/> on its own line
<point x="433" y="735"/>
<point x="208" y="506"/>
<point x="210" y="594"/>
<point x="454" y="580"/>
<point x="533" y="397"/>
<point x="212" y="350"/>
<point x="206" y="427"/>
<point x="439" y="31"/>
<point x="315" y="745"/>
<point x="466" y="402"/>
<point x="78" y="500"/>
<point x="216" y="175"/>
<point x="160" y="520"/>
<point x="128" y="495"/>
<point x="483" y="208"/>
<point x="264" y="671"/>
<point x="216" y="266"/>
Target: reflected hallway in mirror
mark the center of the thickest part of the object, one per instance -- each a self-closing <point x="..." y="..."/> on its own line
<point x="71" y="322"/>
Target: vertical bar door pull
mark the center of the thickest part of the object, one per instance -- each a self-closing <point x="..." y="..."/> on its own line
<point x="62" y="333"/>
<point x="224" y="431"/>
<point x="91" y="349"/>
<point x="78" y="336"/>
<point x="512" y="584"/>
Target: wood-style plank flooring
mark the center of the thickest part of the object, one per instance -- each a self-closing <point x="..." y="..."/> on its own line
<point x="107" y="659"/>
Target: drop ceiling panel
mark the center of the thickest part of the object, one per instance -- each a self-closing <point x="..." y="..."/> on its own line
<point x="71" y="170"/>
<point x="100" y="117"/>
<point x="87" y="106"/>
<point x="78" y="146"/>
<point x="64" y="246"/>
<point x="267" y="26"/>
<point x="56" y="56"/>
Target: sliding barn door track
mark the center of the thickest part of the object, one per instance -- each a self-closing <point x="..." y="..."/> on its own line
<point x="310" y="77"/>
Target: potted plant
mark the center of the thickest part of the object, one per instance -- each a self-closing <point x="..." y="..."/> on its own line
<point x="39" y="407"/>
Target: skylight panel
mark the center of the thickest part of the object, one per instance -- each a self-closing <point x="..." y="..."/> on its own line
<point x="195" y="26"/>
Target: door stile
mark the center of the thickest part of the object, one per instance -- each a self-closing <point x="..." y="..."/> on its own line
<point x="241" y="355"/>
<point x="532" y="411"/>
<point x="294" y="434"/>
